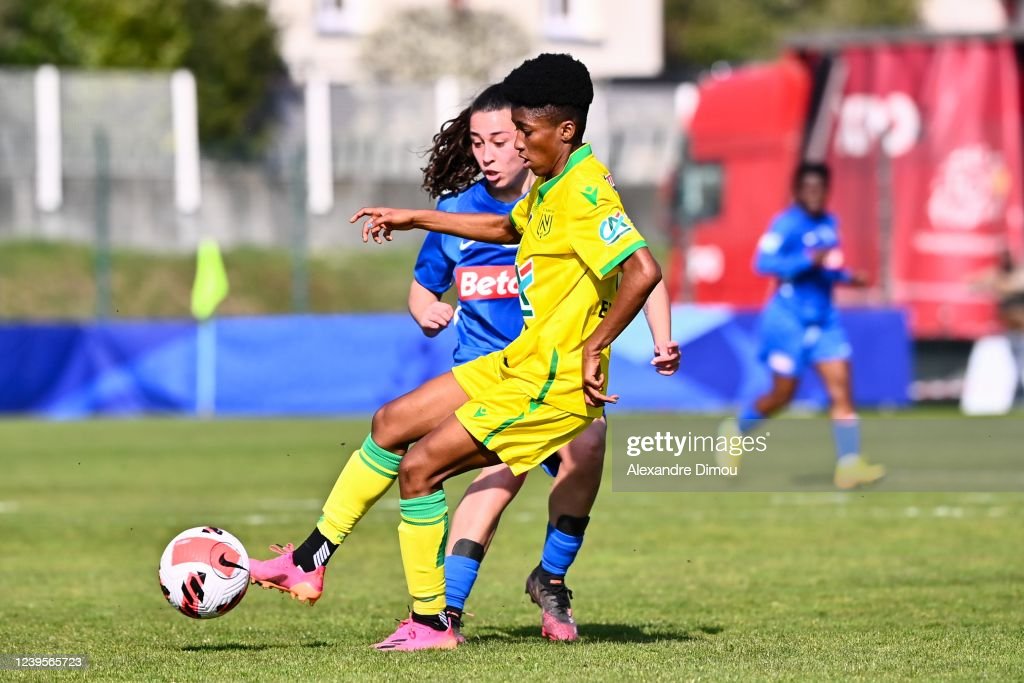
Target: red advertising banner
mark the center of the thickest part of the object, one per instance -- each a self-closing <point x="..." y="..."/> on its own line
<point x="745" y="140"/>
<point x="926" y="154"/>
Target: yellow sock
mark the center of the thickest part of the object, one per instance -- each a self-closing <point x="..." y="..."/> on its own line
<point x="422" y="536"/>
<point x="370" y="472"/>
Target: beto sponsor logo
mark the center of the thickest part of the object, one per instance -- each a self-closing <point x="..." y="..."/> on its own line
<point x="487" y="282"/>
<point x="614" y="227"/>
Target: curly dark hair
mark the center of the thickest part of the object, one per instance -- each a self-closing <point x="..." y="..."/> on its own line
<point x="555" y="86"/>
<point x="549" y="79"/>
<point x="452" y="167"/>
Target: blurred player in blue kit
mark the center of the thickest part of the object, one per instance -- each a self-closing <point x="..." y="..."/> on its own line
<point x="479" y="141"/>
<point x="800" y="326"/>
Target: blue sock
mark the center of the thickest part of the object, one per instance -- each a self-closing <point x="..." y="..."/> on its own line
<point x="562" y="543"/>
<point x="748" y="419"/>
<point x="459" y="576"/>
<point x="460" y="570"/>
<point x="846" y="433"/>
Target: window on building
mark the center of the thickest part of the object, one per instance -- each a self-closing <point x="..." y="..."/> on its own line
<point x="700" y="192"/>
<point x="335" y="16"/>
<point x="572" y="20"/>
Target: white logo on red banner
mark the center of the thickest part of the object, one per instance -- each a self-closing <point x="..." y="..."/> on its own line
<point x="969" y="188"/>
<point x="487" y="282"/>
<point x="865" y="121"/>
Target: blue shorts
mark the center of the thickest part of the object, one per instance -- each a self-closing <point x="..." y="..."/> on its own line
<point x="789" y="345"/>
<point x="551" y="465"/>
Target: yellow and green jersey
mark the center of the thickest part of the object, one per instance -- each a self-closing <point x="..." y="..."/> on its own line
<point x="575" y="235"/>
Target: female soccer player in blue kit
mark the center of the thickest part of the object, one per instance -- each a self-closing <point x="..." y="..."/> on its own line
<point x="800" y="325"/>
<point x="480" y="141"/>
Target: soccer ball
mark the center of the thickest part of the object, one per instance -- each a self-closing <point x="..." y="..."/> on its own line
<point x="204" y="572"/>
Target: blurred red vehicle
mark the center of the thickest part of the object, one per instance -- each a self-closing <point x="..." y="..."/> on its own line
<point x="923" y="134"/>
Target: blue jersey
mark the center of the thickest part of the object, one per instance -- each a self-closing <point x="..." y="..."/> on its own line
<point x="786" y="252"/>
<point x="488" y="315"/>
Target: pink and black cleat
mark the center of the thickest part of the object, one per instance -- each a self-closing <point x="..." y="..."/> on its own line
<point x="550" y="593"/>
<point x="412" y="635"/>
<point x="455" y="621"/>
<point x="284" y="575"/>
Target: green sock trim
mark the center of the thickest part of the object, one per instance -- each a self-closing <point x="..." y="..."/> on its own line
<point x="431" y="510"/>
<point x="439" y="562"/>
<point x="385" y="460"/>
<point x="413" y="522"/>
<point x="391" y="476"/>
<point x="424" y="509"/>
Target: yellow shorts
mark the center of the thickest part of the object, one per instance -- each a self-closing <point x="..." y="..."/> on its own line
<point x="504" y="416"/>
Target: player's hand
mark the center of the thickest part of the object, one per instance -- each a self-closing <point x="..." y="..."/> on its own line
<point x="666" y="358"/>
<point x="435" y="318"/>
<point x="593" y="380"/>
<point x="829" y="259"/>
<point x="383" y="221"/>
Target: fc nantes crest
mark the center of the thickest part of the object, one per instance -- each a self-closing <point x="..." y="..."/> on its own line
<point x="544" y="226"/>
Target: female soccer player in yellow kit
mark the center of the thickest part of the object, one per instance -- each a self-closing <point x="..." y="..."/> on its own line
<point x="479" y="141"/>
<point x="583" y="273"/>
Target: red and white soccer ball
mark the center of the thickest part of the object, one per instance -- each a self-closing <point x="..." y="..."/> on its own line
<point x="204" y="572"/>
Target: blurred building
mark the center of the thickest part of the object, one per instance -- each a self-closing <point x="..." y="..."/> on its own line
<point x="970" y="15"/>
<point x="614" y="39"/>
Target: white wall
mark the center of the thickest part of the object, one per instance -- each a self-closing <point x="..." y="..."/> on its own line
<point x="613" y="38"/>
<point x="963" y="15"/>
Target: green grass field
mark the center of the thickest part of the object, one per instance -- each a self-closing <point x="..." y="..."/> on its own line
<point x="801" y="586"/>
<point x="53" y="280"/>
<point x="57" y="280"/>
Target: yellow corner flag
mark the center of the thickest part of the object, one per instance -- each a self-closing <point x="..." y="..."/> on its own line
<point x="211" y="283"/>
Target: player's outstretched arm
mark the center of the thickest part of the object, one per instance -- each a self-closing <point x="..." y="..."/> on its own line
<point x="482" y="227"/>
<point x="640" y="274"/>
<point x="658" y="310"/>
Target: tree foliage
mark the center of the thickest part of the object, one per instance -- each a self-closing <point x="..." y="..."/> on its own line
<point x="701" y="32"/>
<point x="230" y="47"/>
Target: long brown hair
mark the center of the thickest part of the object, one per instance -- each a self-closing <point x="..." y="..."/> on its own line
<point x="452" y="167"/>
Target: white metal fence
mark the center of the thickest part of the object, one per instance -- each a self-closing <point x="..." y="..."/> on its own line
<point x="110" y="155"/>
